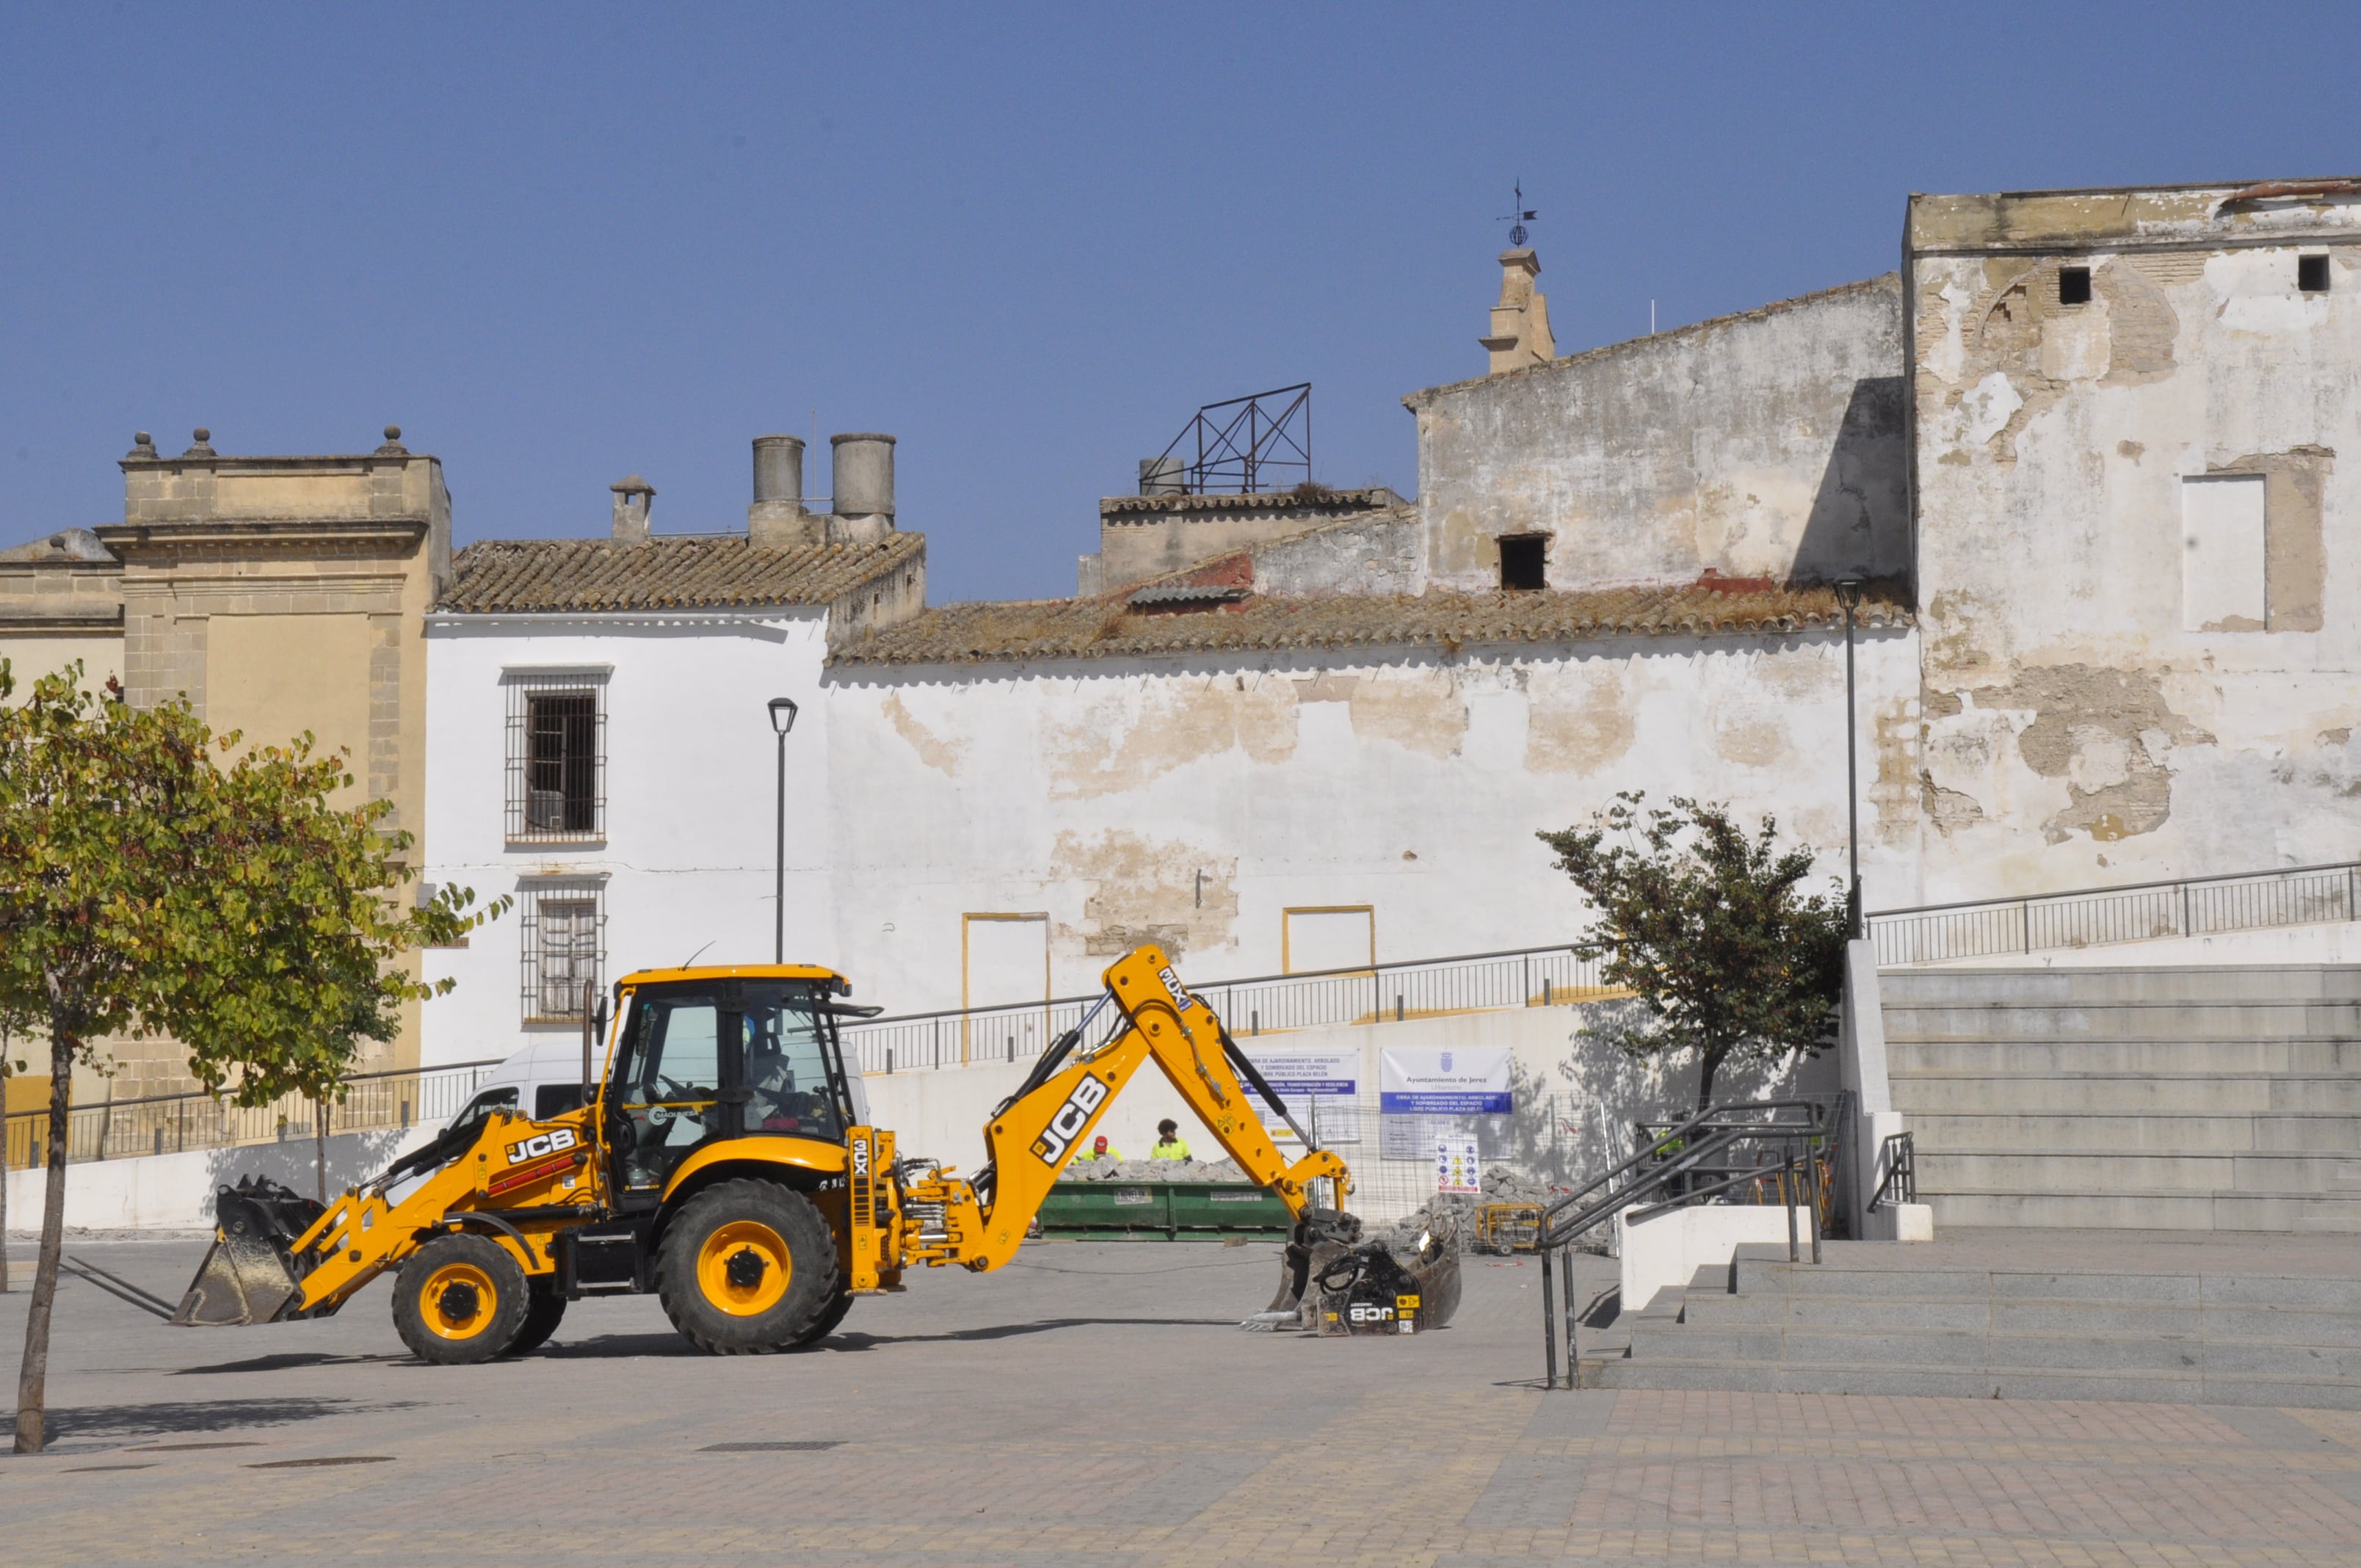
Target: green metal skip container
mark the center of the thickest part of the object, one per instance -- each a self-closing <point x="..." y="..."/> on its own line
<point x="1163" y="1211"/>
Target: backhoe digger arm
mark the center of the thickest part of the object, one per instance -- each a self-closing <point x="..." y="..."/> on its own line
<point x="1033" y="1137"/>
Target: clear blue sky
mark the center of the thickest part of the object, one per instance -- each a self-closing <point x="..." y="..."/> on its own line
<point x="557" y="244"/>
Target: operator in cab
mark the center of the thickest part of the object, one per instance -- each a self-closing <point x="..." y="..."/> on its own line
<point x="1169" y="1144"/>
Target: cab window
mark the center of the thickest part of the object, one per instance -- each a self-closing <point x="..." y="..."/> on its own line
<point x="787" y="1053"/>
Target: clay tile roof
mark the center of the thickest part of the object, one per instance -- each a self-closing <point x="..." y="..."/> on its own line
<point x="528" y="576"/>
<point x="1108" y="627"/>
<point x="1324" y="499"/>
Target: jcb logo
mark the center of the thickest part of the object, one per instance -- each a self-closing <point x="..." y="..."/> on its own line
<point x="545" y="1144"/>
<point x="1072" y="1118"/>
<point x="1181" y="999"/>
<point x="1368" y="1312"/>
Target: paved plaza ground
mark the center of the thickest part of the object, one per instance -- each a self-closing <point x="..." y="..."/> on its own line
<point x="1093" y="1402"/>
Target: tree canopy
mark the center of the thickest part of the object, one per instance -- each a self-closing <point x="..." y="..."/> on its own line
<point x="155" y="879"/>
<point x="1711" y="927"/>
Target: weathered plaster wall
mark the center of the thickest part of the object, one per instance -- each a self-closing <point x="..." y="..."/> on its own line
<point x="1146" y="536"/>
<point x="1763" y="445"/>
<point x="1192" y="802"/>
<point x="2076" y="732"/>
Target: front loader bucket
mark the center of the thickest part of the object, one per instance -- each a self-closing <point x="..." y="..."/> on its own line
<point x="1322" y="1235"/>
<point x="250" y="1274"/>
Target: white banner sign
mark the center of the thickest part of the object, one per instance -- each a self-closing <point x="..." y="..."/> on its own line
<point x="1443" y="1081"/>
<point x="1321" y="1088"/>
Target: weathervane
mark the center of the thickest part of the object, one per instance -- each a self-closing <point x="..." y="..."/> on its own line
<point x="1518" y="219"/>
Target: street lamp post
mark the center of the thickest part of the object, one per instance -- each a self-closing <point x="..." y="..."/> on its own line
<point x="1848" y="595"/>
<point x="782" y="718"/>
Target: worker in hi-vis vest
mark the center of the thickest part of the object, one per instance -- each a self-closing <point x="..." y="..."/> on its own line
<point x="1102" y="1149"/>
<point x="1168" y="1142"/>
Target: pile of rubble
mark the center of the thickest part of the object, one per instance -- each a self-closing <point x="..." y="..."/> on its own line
<point x="1153" y="1170"/>
<point x="1454" y="1214"/>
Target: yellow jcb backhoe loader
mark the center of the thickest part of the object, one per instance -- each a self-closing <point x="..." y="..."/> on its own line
<point x="723" y="1162"/>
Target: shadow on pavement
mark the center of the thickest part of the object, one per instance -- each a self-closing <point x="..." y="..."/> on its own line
<point x="289" y="1362"/>
<point x="204" y="1416"/>
<point x="609" y="1347"/>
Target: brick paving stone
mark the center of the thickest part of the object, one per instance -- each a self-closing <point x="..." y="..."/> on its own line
<point x="1093" y="1403"/>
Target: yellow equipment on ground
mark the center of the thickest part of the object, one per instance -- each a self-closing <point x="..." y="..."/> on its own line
<point x="723" y="1162"/>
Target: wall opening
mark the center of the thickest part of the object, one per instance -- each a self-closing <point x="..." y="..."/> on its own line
<point x="1004" y="962"/>
<point x="2073" y="285"/>
<point x="2312" y="274"/>
<point x="2222" y="576"/>
<point x="1525" y="561"/>
<point x="1328" y="937"/>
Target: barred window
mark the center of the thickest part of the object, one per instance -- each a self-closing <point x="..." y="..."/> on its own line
<point x="564" y="948"/>
<point x="556" y="755"/>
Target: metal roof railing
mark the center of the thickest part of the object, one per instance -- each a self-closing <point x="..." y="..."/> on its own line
<point x="1257" y="1004"/>
<point x="2132" y="912"/>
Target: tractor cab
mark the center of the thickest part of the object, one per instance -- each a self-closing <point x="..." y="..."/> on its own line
<point x="705" y="1056"/>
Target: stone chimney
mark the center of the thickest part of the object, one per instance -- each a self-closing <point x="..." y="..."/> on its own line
<point x="1521" y="330"/>
<point x="634" y="498"/>
<point x="861" y="509"/>
<point x="776" y="519"/>
<point x="1163" y="477"/>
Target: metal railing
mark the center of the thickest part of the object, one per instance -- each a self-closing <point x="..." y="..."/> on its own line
<point x="1784" y="1149"/>
<point x="2133" y="912"/>
<point x="174" y="1123"/>
<point x="1899" y="1156"/>
<point x="1260" y="1005"/>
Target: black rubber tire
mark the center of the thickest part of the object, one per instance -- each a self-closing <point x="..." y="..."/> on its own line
<point x="545" y="1309"/>
<point x="501" y="1323"/>
<point x="814" y="1282"/>
<point x="828" y="1319"/>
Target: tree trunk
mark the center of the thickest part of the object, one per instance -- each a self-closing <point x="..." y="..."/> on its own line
<point x="32" y="1379"/>
<point x="319" y="1148"/>
<point x="1709" y="1063"/>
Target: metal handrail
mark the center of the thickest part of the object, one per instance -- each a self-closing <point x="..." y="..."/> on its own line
<point x="2124" y="912"/>
<point x="1682" y="1151"/>
<point x="198" y="1120"/>
<point x="1252" y="1005"/>
<point x="2114" y="887"/>
<point x="1900" y="1184"/>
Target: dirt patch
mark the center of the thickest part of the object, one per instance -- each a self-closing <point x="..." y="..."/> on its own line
<point x="1180" y="897"/>
<point x="1107" y="747"/>
<point x="937" y="753"/>
<point x="2108" y="733"/>
<point x="1422" y="711"/>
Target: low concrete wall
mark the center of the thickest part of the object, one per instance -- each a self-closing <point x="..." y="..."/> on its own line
<point x="1669" y="1249"/>
<point x="175" y="1191"/>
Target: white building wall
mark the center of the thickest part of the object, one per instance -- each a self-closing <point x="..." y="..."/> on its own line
<point x="1194" y="802"/>
<point x="690" y="771"/>
<point x="2110" y="696"/>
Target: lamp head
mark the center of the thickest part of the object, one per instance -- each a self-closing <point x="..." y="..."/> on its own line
<point x="1848" y="592"/>
<point x="782" y="714"/>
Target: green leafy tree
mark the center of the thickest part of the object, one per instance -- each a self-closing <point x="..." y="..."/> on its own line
<point x="153" y="883"/>
<point x="1711" y="927"/>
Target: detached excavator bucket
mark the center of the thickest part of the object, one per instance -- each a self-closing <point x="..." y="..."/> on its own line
<point x="1319" y="1237"/>
<point x="1335" y="1283"/>
<point x="250" y="1274"/>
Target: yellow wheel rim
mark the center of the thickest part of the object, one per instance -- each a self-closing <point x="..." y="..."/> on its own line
<point x="459" y="1302"/>
<point x="743" y="1268"/>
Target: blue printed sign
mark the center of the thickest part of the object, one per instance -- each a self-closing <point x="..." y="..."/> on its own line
<point x="1443" y="1081"/>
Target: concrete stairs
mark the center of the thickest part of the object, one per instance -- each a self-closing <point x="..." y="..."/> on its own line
<point x="1763" y="1325"/>
<point x="2171" y="1099"/>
